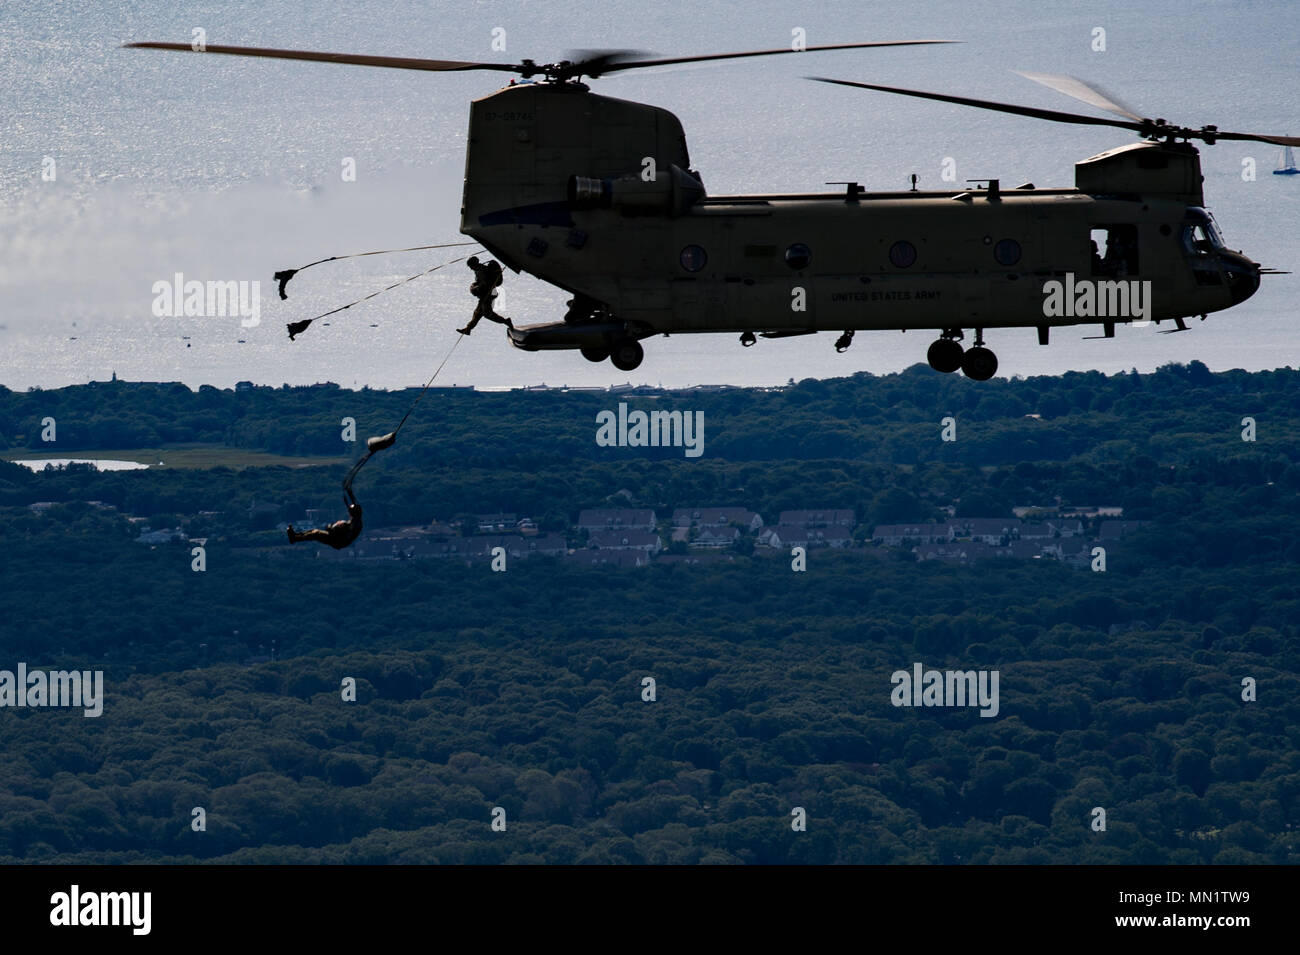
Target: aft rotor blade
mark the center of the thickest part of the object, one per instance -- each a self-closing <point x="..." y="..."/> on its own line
<point x="354" y="59"/>
<point x="669" y="61"/>
<point x="1050" y="114"/>
<point x="1147" y="127"/>
<point x="1084" y="92"/>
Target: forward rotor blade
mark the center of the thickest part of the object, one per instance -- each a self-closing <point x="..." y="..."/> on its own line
<point x="1085" y="93"/>
<point x="594" y="63"/>
<point x="1259" y="138"/>
<point x="354" y="59"/>
<point x="1050" y="114"/>
<point x="669" y="61"/>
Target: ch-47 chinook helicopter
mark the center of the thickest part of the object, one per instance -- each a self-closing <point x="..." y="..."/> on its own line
<point x="597" y="196"/>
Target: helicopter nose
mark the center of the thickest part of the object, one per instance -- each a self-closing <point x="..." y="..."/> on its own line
<point x="1243" y="276"/>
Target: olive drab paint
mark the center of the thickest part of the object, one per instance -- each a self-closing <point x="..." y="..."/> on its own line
<point x="598" y="196"/>
<point x="555" y="186"/>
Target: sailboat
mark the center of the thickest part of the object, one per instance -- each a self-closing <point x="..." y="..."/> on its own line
<point x="1287" y="166"/>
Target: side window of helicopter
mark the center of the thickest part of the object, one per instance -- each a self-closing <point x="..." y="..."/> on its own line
<point x="1114" y="250"/>
<point x="798" y="256"/>
<point x="693" y="258"/>
<point x="902" y="254"/>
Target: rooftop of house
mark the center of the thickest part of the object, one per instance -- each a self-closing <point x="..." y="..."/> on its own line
<point x="616" y="517"/>
<point x="828" y="516"/>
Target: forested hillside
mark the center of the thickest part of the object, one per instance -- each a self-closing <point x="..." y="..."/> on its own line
<point x="524" y="690"/>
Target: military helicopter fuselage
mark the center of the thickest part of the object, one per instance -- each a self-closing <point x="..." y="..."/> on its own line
<point x="597" y="196"/>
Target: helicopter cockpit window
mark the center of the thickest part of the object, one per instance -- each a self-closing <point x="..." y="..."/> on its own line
<point x="798" y="256"/>
<point x="1115" y="250"/>
<point x="1196" y="239"/>
<point x="1200" y="237"/>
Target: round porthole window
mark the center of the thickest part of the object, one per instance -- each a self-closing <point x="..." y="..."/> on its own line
<point x="1007" y="252"/>
<point x="798" y="256"/>
<point x="902" y="254"/>
<point x="693" y="258"/>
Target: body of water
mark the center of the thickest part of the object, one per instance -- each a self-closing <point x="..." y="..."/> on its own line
<point x="100" y="464"/>
<point x="231" y="169"/>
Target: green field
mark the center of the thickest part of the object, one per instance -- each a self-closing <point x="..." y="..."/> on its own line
<point x="184" y="456"/>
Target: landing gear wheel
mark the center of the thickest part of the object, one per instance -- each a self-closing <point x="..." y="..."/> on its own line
<point x="979" y="363"/>
<point x="945" y="355"/>
<point x="626" y="354"/>
<point x="594" y="353"/>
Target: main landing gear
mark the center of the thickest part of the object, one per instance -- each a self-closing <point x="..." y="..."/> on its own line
<point x="945" y="354"/>
<point x="977" y="363"/>
<point x="625" y="353"/>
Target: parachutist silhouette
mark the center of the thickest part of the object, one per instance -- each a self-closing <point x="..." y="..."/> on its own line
<point x="337" y="535"/>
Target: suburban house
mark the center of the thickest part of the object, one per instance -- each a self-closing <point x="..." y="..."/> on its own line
<point x="989" y="530"/>
<point x="784" y="535"/>
<point x="647" y="541"/>
<point x="495" y="523"/>
<point x="702" y="517"/>
<point x="1023" y="549"/>
<point x="834" y="536"/>
<point x="796" y="535"/>
<point x="1075" y="551"/>
<point x="616" y="519"/>
<point x="714" y="536"/>
<point x="1066" y="527"/>
<point x="892" y="535"/>
<point x="827" y="518"/>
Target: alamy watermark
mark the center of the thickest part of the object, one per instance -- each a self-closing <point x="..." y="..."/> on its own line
<point x="652" y="429"/>
<point x="82" y="688"/>
<point x="194" y="299"/>
<point x="1093" y="298"/>
<point x="76" y="907"/>
<point x="924" y="687"/>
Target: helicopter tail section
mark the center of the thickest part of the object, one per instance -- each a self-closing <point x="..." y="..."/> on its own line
<point x="552" y="174"/>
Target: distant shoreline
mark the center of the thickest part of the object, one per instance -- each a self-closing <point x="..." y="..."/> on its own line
<point x="180" y="456"/>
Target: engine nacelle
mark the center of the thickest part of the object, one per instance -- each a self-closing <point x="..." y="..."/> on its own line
<point x="669" y="193"/>
<point x="1155" y="169"/>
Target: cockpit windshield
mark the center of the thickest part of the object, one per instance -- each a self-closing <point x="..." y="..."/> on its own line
<point x="1200" y="234"/>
